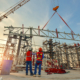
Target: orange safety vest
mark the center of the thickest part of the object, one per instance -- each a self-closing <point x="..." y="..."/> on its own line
<point x="39" y="56"/>
<point x="28" y="56"/>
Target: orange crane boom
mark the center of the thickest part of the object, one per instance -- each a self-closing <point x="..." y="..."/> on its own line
<point x="14" y="8"/>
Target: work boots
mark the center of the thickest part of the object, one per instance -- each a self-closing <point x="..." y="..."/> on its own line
<point x="26" y="73"/>
<point x="34" y="75"/>
<point x="39" y="75"/>
<point x="31" y="74"/>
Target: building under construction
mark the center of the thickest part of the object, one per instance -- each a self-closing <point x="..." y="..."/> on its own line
<point x="66" y="56"/>
<point x="57" y="55"/>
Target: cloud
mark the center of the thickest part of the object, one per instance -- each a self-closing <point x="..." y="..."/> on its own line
<point x="10" y="20"/>
<point x="38" y="41"/>
<point x="29" y="16"/>
<point x="5" y="22"/>
<point x="66" y="18"/>
<point x="61" y="26"/>
<point x="74" y="1"/>
<point x="28" y="10"/>
<point x="2" y="13"/>
<point x="43" y="22"/>
<point x="78" y="24"/>
<point x="1" y="33"/>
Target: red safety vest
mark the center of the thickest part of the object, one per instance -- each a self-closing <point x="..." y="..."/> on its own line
<point x="28" y="56"/>
<point x="39" y="56"/>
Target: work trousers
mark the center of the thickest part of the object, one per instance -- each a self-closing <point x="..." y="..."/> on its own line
<point x="30" y="65"/>
<point x="38" y="63"/>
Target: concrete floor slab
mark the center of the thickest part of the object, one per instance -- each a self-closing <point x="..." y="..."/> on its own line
<point x="73" y="75"/>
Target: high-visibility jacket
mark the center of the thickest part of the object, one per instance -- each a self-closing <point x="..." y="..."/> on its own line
<point x="29" y="56"/>
<point x="39" y="56"/>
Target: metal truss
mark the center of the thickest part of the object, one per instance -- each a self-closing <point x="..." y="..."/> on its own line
<point x="23" y="42"/>
<point x="30" y="31"/>
<point x="64" y="55"/>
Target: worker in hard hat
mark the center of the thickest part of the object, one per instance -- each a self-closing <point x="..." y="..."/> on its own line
<point x="39" y="56"/>
<point x="29" y="61"/>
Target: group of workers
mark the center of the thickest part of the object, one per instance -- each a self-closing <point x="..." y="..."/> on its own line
<point x="39" y="57"/>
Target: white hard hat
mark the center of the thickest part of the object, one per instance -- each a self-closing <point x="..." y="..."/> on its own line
<point x="30" y="48"/>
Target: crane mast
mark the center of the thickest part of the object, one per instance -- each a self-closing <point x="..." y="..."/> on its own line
<point x="14" y="8"/>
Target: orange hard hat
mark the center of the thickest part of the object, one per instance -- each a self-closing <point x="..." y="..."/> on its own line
<point x="40" y="49"/>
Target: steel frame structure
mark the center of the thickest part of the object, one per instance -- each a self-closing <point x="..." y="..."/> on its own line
<point x="43" y="33"/>
<point x="67" y="55"/>
<point x="30" y="32"/>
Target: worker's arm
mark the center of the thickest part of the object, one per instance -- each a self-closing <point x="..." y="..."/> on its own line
<point x="33" y="53"/>
<point x="43" y="56"/>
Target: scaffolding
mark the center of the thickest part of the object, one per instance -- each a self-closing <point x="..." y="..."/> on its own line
<point x="68" y="56"/>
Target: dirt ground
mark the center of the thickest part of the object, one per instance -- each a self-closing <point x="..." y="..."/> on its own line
<point x="72" y="75"/>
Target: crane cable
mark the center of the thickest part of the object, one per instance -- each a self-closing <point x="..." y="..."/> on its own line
<point x="53" y="13"/>
<point x="61" y="18"/>
<point x="65" y="23"/>
<point x="49" y="20"/>
<point x="58" y="2"/>
<point x="52" y="2"/>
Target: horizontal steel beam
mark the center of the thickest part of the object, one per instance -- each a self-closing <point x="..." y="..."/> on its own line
<point x="43" y="33"/>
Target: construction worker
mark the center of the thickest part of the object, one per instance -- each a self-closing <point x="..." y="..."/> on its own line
<point x="29" y="61"/>
<point x="39" y="56"/>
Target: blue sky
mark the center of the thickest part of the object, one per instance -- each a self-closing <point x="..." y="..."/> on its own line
<point x="38" y="12"/>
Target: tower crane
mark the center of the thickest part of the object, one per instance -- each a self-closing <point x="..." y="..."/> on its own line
<point x="14" y="8"/>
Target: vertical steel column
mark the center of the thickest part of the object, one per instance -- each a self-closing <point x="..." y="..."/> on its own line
<point x="55" y="55"/>
<point x="60" y="55"/>
<point x="72" y="57"/>
<point x="18" y="50"/>
<point x="58" y="58"/>
<point x="19" y="45"/>
<point x="78" y="54"/>
<point x="51" y="49"/>
<point x="61" y="58"/>
<point x="67" y="58"/>
<point x="7" y="47"/>
<point x="30" y="36"/>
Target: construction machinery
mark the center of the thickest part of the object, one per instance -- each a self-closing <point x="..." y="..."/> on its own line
<point x="13" y="8"/>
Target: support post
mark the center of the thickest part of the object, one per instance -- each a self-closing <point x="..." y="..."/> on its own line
<point x="20" y="37"/>
<point x="30" y="36"/>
